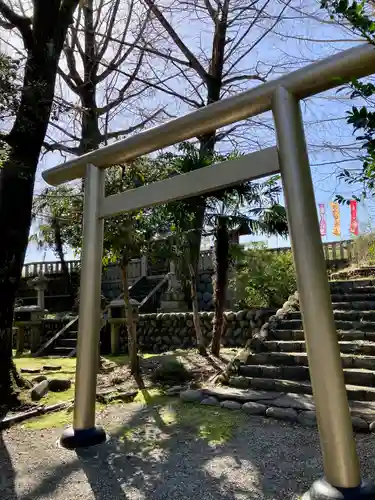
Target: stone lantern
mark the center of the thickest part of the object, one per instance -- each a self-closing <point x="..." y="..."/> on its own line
<point x="39" y="283"/>
<point x="117" y="317"/>
<point x="28" y="316"/>
<point x="173" y="299"/>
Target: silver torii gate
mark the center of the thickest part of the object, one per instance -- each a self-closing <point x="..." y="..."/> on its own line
<point x="282" y="96"/>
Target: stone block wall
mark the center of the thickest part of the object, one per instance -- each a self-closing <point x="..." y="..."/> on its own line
<point x="167" y="331"/>
<point x="205" y="291"/>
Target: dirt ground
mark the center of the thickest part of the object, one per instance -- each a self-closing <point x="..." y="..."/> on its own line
<point x="116" y="374"/>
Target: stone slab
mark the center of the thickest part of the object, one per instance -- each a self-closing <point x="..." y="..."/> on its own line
<point x="307" y="418"/>
<point x="360" y="425"/>
<point x="210" y="401"/>
<point x="39" y="390"/>
<point x="191" y="395"/>
<point x="287" y="414"/>
<point x="59" y="384"/>
<point x="38" y="378"/>
<point x="30" y="370"/>
<point x="296" y="401"/>
<point x="231" y="405"/>
<point x="241" y="395"/>
<point x="175" y="390"/>
<point x="253" y="408"/>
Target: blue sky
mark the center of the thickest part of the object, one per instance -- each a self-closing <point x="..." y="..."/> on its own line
<point x="330" y="139"/>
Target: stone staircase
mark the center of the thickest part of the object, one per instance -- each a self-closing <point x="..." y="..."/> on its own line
<point x="64" y="343"/>
<point x="279" y="362"/>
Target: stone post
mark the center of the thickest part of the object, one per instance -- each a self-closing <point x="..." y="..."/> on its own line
<point x="115" y="334"/>
<point x="144" y="265"/>
<point x="39" y="283"/>
<point x="20" y="339"/>
<point x="34" y="338"/>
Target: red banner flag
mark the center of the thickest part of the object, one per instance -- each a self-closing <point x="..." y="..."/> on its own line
<point x="353" y="218"/>
<point x="322" y="219"/>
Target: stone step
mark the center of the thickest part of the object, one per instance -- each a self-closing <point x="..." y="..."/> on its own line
<point x="362" y="315"/>
<point x="345" y="325"/>
<point x="348" y="285"/>
<point x="300" y="359"/>
<point x="358" y="305"/>
<point x="299" y="402"/>
<point x="298" y="334"/>
<point x="347" y="347"/>
<point x="71" y="343"/>
<point x="353" y="297"/>
<point x="354" y="392"/>
<point x="71" y="334"/>
<point x="358" y="290"/>
<point x="61" y="351"/>
<point x="352" y="376"/>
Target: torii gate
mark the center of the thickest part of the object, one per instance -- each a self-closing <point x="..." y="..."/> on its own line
<point x="282" y="96"/>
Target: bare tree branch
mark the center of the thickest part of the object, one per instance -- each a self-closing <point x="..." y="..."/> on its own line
<point x="121" y="133"/>
<point x="62" y="129"/>
<point x="277" y="20"/>
<point x="56" y="146"/>
<point x="109" y="29"/>
<point x="177" y="40"/>
<point x="21" y="23"/>
<point x="243" y="77"/>
<point x="145" y="48"/>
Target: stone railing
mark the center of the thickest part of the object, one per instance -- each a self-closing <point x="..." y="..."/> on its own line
<point x="137" y="268"/>
<point x="32" y="269"/>
<point x="333" y="250"/>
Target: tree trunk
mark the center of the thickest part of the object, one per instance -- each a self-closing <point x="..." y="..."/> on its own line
<point x="59" y="250"/>
<point x="221" y="266"/>
<point x="130" y="324"/>
<point x="194" y="302"/>
<point x="17" y="174"/>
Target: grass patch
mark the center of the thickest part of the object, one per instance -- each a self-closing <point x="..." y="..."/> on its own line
<point x="151" y="397"/>
<point x="68" y="365"/>
<point x="50" y="421"/>
<point x="54" y="420"/>
<point x="211" y="424"/>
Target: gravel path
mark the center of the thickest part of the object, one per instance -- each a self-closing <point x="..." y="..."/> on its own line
<point x="263" y="460"/>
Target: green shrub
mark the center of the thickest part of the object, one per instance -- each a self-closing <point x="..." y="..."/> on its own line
<point x="363" y="249"/>
<point x="264" y="278"/>
<point x="171" y="371"/>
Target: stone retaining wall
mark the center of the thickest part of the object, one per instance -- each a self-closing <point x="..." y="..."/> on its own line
<point x="205" y="291"/>
<point x="167" y="331"/>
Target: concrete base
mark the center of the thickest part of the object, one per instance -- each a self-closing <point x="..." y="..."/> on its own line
<point x="82" y="438"/>
<point x="321" y="490"/>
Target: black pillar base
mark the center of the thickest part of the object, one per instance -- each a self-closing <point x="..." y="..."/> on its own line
<point x="82" y="438"/>
<point x="321" y="490"/>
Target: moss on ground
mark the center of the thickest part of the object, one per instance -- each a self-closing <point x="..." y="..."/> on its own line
<point x="50" y="421"/>
<point x="212" y="424"/>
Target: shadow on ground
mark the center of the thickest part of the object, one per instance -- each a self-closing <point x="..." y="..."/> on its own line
<point x="164" y="453"/>
<point x="7" y="473"/>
